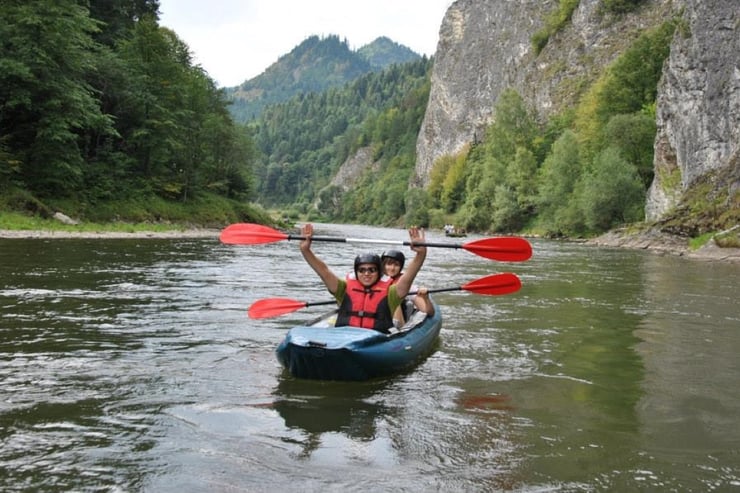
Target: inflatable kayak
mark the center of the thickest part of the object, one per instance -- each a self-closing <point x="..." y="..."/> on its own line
<point x="324" y="352"/>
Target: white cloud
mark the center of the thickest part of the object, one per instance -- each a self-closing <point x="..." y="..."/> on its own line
<point x="235" y="40"/>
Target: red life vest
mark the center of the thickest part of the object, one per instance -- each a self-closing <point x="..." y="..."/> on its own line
<point x="366" y="307"/>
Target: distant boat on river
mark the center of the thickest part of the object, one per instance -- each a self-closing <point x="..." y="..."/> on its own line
<point x="452" y="231"/>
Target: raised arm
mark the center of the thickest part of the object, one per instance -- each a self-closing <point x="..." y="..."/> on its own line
<point x="416" y="235"/>
<point x="330" y="279"/>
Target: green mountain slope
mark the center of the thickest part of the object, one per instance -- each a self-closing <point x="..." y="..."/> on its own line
<point x="384" y="52"/>
<point x="304" y="140"/>
<point x="315" y="65"/>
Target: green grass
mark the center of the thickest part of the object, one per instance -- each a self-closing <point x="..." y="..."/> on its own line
<point x="700" y="241"/>
<point x="19" y="210"/>
<point x="724" y="239"/>
<point x="21" y="222"/>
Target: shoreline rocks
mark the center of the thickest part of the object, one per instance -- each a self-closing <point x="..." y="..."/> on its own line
<point x="666" y="244"/>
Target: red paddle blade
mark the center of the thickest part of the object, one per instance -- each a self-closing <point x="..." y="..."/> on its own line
<point x="503" y="248"/>
<point x="494" y="284"/>
<point x="273" y="307"/>
<point x="250" y="234"/>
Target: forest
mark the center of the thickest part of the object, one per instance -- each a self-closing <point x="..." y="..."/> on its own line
<point x="103" y="115"/>
<point x="582" y="172"/>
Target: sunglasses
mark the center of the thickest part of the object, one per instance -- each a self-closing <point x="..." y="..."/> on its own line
<point x="367" y="270"/>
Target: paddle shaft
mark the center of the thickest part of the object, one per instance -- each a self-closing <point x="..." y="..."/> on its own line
<point x="440" y="290"/>
<point x="505" y="249"/>
<point x="495" y="284"/>
<point x="280" y="306"/>
<point x="316" y="303"/>
<point x="412" y="293"/>
<point x="334" y="302"/>
<point x="374" y="241"/>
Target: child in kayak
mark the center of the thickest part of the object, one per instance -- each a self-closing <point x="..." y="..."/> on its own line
<point x="393" y="262"/>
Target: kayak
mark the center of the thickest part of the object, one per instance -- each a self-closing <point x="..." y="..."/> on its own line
<point x="321" y="351"/>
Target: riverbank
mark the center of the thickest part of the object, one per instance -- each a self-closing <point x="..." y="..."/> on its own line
<point x="654" y="241"/>
<point x="56" y="234"/>
<point x="666" y="244"/>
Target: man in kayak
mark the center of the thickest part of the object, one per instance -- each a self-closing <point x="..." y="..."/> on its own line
<point x="393" y="261"/>
<point x="369" y="298"/>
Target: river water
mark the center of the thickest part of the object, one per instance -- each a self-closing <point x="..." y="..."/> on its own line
<point x="131" y="365"/>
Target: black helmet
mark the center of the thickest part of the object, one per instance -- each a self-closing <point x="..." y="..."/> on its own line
<point x="394" y="254"/>
<point x="368" y="258"/>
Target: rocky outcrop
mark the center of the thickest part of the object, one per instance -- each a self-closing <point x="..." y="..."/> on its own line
<point x="65" y="219"/>
<point x="698" y="111"/>
<point x="349" y="173"/>
<point x="484" y="48"/>
<point x="659" y="242"/>
<point x="353" y="168"/>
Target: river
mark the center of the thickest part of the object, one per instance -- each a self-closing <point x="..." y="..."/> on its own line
<point x="131" y="365"/>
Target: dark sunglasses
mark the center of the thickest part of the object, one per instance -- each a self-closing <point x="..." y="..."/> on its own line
<point x="367" y="270"/>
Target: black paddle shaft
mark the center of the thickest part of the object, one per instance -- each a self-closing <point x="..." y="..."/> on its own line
<point x="368" y="240"/>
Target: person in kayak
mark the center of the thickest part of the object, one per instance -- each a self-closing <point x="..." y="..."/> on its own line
<point x="369" y="298"/>
<point x="393" y="262"/>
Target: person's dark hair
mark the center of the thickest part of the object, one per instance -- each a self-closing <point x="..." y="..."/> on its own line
<point x="369" y="258"/>
<point x="394" y="254"/>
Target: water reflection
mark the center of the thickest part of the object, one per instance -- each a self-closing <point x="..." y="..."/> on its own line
<point x="690" y="346"/>
<point x="316" y="407"/>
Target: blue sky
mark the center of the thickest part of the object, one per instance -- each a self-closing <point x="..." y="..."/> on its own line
<point x="236" y="40"/>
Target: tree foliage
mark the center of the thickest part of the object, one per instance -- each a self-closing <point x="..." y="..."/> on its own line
<point x="99" y="102"/>
<point x="583" y="171"/>
<point x="502" y="168"/>
<point x="629" y="85"/>
<point x="557" y="184"/>
<point x="304" y="140"/>
<point x="634" y="134"/>
<point x="447" y="181"/>
<point x="554" y="22"/>
<point x="613" y="193"/>
<point x="46" y="100"/>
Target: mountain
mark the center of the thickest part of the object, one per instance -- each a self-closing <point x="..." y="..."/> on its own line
<point x="314" y="65"/>
<point x="384" y="52"/>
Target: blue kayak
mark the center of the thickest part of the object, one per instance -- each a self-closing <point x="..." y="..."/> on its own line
<point x="324" y="352"/>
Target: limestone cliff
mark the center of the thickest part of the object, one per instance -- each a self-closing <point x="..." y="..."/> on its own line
<point x="698" y="111"/>
<point x="484" y="47"/>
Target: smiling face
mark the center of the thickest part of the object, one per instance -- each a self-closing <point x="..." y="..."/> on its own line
<point x="367" y="274"/>
<point x="391" y="267"/>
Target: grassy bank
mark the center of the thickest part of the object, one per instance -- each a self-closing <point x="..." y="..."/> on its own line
<point x="22" y="222"/>
<point x="21" y="211"/>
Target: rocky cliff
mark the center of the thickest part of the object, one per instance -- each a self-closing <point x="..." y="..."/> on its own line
<point x="698" y="111"/>
<point x="485" y="47"/>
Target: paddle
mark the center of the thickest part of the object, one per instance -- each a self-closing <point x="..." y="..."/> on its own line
<point x="495" y="284"/>
<point x="504" y="248"/>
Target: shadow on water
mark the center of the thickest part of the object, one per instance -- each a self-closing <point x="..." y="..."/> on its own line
<point x="317" y="407"/>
